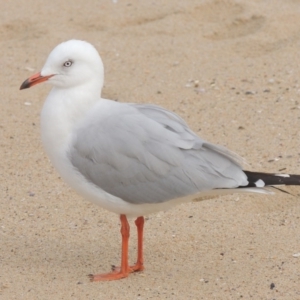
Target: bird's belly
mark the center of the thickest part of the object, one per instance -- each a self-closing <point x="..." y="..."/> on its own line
<point x="95" y="194"/>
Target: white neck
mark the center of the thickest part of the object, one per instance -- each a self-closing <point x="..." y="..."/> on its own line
<point x="62" y="111"/>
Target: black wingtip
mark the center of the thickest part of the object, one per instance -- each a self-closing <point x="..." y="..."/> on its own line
<point x="259" y="179"/>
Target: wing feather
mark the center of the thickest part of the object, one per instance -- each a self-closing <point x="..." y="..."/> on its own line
<point x="146" y="154"/>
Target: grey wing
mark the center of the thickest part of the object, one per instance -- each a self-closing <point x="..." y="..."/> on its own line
<point x="173" y="122"/>
<point x="145" y="154"/>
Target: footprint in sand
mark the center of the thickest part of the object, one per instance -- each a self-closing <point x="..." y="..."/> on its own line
<point x="227" y="20"/>
<point x="237" y="28"/>
<point x="217" y="11"/>
<point x="19" y="29"/>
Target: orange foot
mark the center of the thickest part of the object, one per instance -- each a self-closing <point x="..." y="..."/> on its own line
<point x="116" y="273"/>
<point x="135" y="268"/>
<point x="108" y="276"/>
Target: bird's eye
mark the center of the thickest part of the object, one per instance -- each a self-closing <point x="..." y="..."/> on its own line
<point x="68" y="63"/>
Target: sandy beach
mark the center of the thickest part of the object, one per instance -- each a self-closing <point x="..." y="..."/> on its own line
<point x="231" y="69"/>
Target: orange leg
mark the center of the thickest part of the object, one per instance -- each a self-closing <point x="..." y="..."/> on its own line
<point x="139" y="266"/>
<point x="124" y="270"/>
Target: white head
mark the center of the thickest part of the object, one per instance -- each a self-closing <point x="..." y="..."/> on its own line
<point x="70" y="64"/>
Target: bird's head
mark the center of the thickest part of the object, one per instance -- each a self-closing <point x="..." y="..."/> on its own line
<point x="70" y="64"/>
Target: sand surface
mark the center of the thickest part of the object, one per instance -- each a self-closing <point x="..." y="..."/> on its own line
<point x="231" y="69"/>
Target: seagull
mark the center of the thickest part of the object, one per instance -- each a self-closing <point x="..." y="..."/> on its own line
<point x="131" y="159"/>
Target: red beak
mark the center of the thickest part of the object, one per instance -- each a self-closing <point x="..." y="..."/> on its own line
<point x="33" y="80"/>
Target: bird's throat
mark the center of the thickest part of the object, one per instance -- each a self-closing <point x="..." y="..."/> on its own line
<point x="63" y="110"/>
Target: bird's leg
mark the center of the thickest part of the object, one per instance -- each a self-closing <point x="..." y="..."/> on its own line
<point x="139" y="265"/>
<point x="124" y="270"/>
